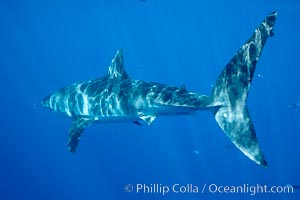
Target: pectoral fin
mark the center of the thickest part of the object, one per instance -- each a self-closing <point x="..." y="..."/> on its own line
<point x="75" y="132"/>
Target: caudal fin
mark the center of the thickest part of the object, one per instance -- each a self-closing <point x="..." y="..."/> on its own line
<point x="231" y="91"/>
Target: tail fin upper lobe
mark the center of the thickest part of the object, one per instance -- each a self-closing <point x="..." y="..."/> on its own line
<point x="231" y="91"/>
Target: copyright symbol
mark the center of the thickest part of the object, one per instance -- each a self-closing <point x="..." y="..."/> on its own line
<point x="128" y="188"/>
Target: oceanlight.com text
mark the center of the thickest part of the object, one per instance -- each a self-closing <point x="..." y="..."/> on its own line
<point x="250" y="189"/>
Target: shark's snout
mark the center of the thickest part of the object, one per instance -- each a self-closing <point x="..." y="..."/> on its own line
<point x="46" y="102"/>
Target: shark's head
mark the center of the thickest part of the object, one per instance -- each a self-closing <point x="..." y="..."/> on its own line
<point x="54" y="102"/>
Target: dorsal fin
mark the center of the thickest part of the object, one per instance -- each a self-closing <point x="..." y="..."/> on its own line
<point x="116" y="68"/>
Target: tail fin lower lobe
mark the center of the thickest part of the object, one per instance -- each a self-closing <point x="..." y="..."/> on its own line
<point x="231" y="91"/>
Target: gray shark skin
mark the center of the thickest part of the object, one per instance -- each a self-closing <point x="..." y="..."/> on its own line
<point x="116" y="97"/>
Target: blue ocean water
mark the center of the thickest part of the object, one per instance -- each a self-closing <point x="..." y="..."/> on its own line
<point x="46" y="45"/>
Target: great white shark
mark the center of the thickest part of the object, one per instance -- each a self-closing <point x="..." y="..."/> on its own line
<point x="117" y="97"/>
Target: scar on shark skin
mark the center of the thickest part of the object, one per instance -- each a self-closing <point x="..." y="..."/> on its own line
<point x="116" y="97"/>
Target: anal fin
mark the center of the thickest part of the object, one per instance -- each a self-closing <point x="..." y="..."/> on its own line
<point x="75" y="132"/>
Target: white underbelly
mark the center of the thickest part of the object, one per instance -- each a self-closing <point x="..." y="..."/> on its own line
<point x="170" y="110"/>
